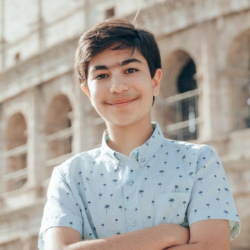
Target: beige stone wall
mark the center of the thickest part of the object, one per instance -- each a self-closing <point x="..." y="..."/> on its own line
<point x="37" y="46"/>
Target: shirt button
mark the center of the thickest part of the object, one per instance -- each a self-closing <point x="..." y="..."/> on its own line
<point x="129" y="182"/>
<point x="132" y="222"/>
<point x="143" y="159"/>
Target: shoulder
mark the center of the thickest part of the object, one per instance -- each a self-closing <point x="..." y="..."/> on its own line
<point x="187" y="147"/>
<point x="78" y="162"/>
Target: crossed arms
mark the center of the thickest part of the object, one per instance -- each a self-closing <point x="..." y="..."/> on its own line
<point x="202" y="235"/>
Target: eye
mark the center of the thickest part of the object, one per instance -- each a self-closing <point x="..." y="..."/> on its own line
<point x="102" y="76"/>
<point x="131" y="70"/>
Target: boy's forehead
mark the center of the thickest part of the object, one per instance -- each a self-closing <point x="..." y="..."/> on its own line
<point x="112" y="58"/>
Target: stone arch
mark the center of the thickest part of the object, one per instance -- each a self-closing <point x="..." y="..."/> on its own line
<point x="13" y="109"/>
<point x="58" y="127"/>
<point x="57" y="116"/>
<point x="178" y="77"/>
<point x="229" y="33"/>
<point x="172" y="67"/>
<point x="16" y="134"/>
<point x="71" y="97"/>
<point x="238" y="69"/>
<point x="238" y="56"/>
<point x="16" y="158"/>
<point x="62" y="92"/>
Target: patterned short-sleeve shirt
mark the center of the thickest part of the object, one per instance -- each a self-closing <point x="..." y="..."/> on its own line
<point x="101" y="192"/>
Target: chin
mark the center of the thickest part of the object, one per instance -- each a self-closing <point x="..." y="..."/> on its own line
<point x="123" y="121"/>
<point x="120" y="122"/>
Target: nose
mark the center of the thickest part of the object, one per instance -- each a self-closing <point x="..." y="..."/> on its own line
<point x="118" y="84"/>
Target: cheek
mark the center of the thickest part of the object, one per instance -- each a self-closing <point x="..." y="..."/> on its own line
<point x="95" y="91"/>
<point x="97" y="96"/>
<point x="144" y="86"/>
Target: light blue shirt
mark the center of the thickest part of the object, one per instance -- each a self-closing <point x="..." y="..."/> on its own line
<point x="101" y="192"/>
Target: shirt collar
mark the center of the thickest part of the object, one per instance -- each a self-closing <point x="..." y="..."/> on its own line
<point x="142" y="154"/>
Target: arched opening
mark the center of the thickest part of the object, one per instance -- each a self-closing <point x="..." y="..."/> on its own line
<point x="58" y="128"/>
<point x="16" y="131"/>
<point x="185" y="83"/>
<point x="239" y="74"/>
<point x="16" y="156"/>
<point x="178" y="97"/>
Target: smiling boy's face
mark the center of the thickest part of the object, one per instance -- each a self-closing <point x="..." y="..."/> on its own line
<point x="120" y="86"/>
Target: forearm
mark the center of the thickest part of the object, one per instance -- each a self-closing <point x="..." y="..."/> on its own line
<point x="153" y="238"/>
<point x="196" y="246"/>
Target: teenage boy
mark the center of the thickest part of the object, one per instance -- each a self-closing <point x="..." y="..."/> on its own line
<point x="139" y="190"/>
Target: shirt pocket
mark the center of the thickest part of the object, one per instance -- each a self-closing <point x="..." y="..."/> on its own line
<point x="171" y="207"/>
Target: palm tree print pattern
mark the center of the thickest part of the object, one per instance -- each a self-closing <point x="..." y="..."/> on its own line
<point x="190" y="175"/>
<point x="171" y="200"/>
<point x="107" y="207"/>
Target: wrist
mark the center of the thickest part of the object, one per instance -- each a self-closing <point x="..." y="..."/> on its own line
<point x="175" y="234"/>
<point x="169" y="234"/>
<point x="181" y="234"/>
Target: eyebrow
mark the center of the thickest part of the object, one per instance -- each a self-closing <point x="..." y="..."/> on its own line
<point x="123" y="63"/>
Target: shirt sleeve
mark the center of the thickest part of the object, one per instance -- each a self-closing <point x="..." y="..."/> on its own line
<point x="61" y="208"/>
<point x="211" y="197"/>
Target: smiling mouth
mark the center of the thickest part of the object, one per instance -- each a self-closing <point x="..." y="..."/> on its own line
<point x="122" y="102"/>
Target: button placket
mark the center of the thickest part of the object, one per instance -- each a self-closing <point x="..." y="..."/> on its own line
<point x="115" y="163"/>
<point x="141" y="162"/>
<point x="143" y="159"/>
<point x="129" y="197"/>
<point x="130" y="182"/>
<point x="132" y="222"/>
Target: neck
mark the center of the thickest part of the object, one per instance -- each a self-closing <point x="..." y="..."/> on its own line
<point x="124" y="139"/>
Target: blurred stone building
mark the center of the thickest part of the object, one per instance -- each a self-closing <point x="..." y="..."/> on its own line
<point x="45" y="118"/>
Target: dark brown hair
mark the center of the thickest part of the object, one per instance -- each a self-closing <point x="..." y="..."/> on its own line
<point x="108" y="33"/>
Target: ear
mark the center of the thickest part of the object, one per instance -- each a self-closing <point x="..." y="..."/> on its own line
<point x="85" y="90"/>
<point x="156" y="82"/>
